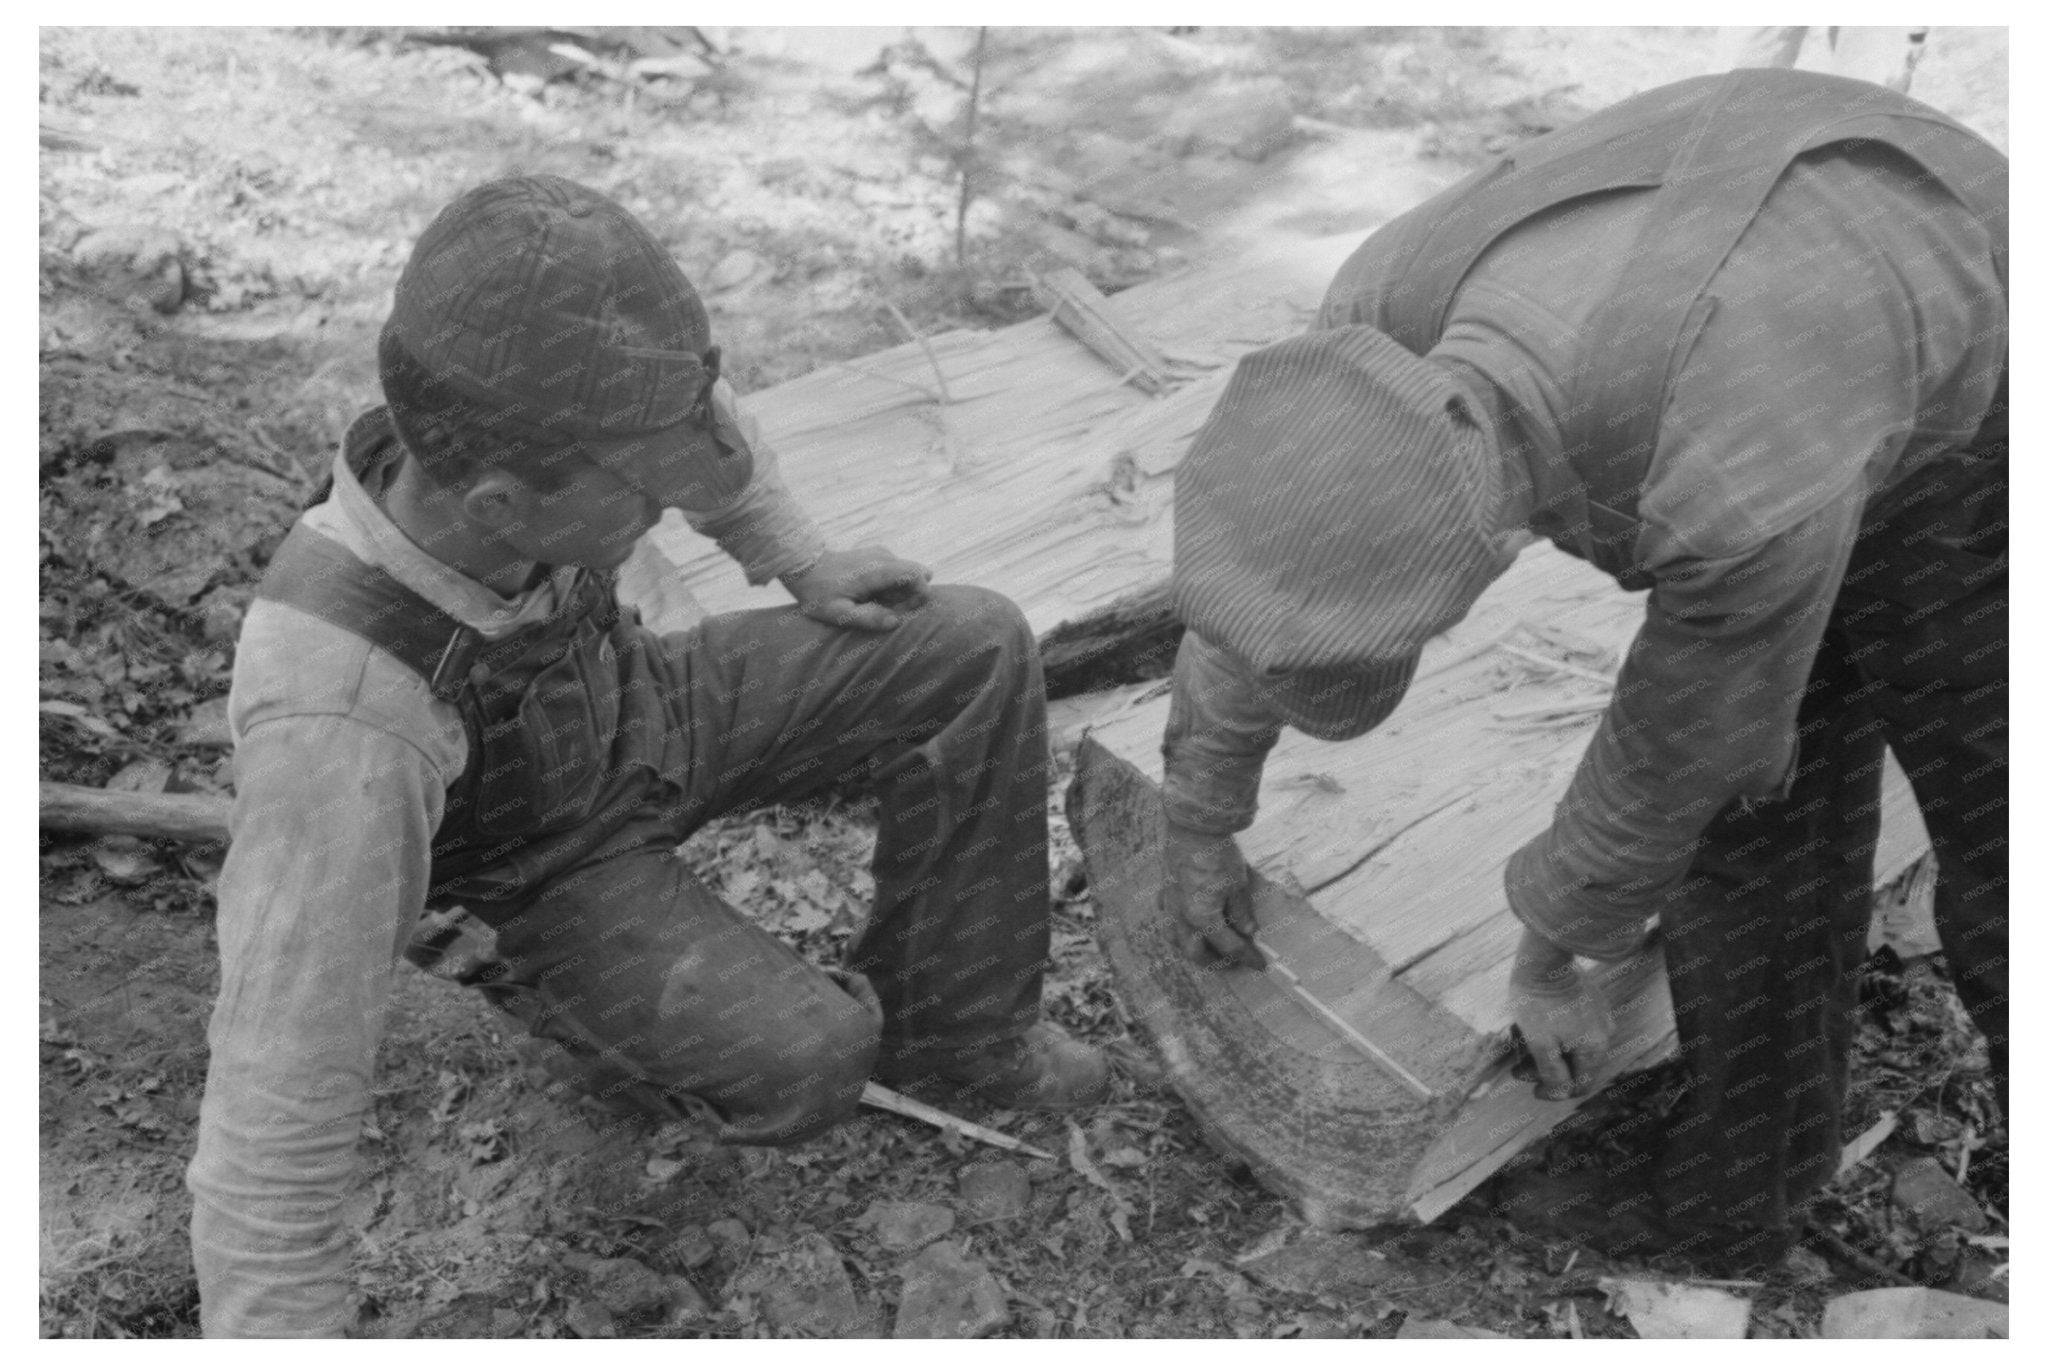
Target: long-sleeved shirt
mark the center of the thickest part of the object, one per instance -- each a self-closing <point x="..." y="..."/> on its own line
<point x="1857" y="334"/>
<point x="343" y="759"/>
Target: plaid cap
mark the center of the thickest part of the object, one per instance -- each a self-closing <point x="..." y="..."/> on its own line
<point x="537" y="320"/>
<point x="1332" y="516"/>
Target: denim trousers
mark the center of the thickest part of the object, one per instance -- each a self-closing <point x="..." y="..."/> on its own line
<point x="662" y="996"/>
<point x="1764" y="939"/>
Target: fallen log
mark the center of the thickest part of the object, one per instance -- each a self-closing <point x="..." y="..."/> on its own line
<point x="1366" y="1073"/>
<point x="189" y="817"/>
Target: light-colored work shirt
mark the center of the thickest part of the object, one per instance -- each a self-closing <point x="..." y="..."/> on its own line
<point x="343" y="759"/>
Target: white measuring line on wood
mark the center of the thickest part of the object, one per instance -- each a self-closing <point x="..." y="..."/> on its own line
<point x="1351" y="1035"/>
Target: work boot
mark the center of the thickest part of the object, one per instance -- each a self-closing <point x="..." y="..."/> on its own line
<point x="1042" y="1068"/>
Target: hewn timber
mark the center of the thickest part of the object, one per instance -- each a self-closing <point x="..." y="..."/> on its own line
<point x="1378" y="871"/>
<point x="1046" y="476"/>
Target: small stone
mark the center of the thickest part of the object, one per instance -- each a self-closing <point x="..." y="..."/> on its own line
<point x="588" y="1319"/>
<point x="731" y="1235"/>
<point x="507" y="1324"/>
<point x="1333" y="1264"/>
<point x="1980" y="1275"/>
<point x="1806" y="1266"/>
<point x="1669" y="1309"/>
<point x="133" y="263"/>
<point x="1271" y="129"/>
<point x="805" y="1291"/>
<point x="220" y="616"/>
<point x="1926" y="1193"/>
<point x="151" y="185"/>
<point x="627" y="1288"/>
<point x="1433" y="1329"/>
<point x="684" y="1300"/>
<point x="946" y="1294"/>
<point x="692" y="1246"/>
<point x="991" y="1191"/>
<point x="907" y="1227"/>
<point x="1913" y="1313"/>
<point x="467" y="1316"/>
<point x="734" y="269"/>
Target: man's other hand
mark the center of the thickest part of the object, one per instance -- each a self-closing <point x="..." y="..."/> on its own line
<point x="1562" y="1019"/>
<point x="865" y="588"/>
<point x="1208" y="891"/>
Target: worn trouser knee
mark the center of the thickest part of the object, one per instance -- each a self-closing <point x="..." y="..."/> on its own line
<point x="980" y="627"/>
<point x="802" y="1086"/>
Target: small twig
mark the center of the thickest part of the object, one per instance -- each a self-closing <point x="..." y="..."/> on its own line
<point x="921" y="390"/>
<point x="1577" y="706"/>
<point x="931" y="356"/>
<point x="1557" y="665"/>
<point x="890" y="1102"/>
<point x="285" y="467"/>
<point x="1858" y="1152"/>
<point x="945" y="398"/>
<point x="1859" y="1260"/>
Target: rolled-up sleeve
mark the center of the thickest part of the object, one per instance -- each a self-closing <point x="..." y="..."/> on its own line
<point x="762" y="527"/>
<point x="1217" y="737"/>
<point x="324" y="879"/>
<point x="1705" y="712"/>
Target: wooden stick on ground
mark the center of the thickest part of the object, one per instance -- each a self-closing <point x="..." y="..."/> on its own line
<point x="881" y="1097"/>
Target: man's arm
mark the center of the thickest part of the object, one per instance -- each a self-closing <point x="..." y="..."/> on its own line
<point x="762" y="526"/>
<point x="1705" y="712"/>
<point x="324" y="879"/>
<point x="770" y="534"/>
<point x="1217" y="738"/>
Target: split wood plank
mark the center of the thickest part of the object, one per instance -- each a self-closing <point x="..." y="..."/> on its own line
<point x="1060" y="489"/>
<point x="1071" y="301"/>
<point x="1410" y="946"/>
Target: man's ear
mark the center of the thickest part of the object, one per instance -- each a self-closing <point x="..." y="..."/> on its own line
<point x="497" y="500"/>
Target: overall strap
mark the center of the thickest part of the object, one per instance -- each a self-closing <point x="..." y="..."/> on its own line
<point x="1742" y="139"/>
<point x="323" y="579"/>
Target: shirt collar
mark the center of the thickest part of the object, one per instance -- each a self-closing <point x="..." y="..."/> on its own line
<point x="368" y="456"/>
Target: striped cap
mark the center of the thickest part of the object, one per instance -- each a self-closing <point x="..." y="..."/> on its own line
<point x="1335" y="512"/>
<point x="537" y="317"/>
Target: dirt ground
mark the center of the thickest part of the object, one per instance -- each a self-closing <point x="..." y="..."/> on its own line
<point x="221" y="217"/>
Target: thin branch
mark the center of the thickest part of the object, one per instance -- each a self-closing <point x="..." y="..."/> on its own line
<point x="967" y="158"/>
<point x="931" y="356"/>
<point x="930" y="395"/>
<point x="1557" y="665"/>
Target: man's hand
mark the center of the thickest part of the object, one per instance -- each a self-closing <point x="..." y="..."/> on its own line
<point x="1562" y="1019"/>
<point x="865" y="588"/>
<point x="1208" y="891"/>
